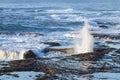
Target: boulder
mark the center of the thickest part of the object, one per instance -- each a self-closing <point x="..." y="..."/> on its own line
<point x="29" y="34"/>
<point x="61" y="49"/>
<point x="103" y="26"/>
<point x="118" y="51"/>
<point x="92" y="56"/>
<point x="29" y="54"/>
<point x="112" y="42"/>
<point x="105" y="36"/>
<point x="98" y="52"/>
<point x="51" y="43"/>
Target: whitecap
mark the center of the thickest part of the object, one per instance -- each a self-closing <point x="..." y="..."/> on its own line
<point x="68" y="10"/>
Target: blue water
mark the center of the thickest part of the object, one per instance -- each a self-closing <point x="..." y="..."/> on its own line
<point x="51" y="16"/>
<point x="58" y="21"/>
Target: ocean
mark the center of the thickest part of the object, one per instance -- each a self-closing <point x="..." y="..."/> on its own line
<point x="59" y="39"/>
<point x="24" y="24"/>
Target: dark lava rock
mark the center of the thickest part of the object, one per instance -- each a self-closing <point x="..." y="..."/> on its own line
<point x="103" y="26"/>
<point x="51" y="43"/>
<point x="75" y="64"/>
<point x="70" y="50"/>
<point x="92" y="56"/>
<point x="78" y="64"/>
<point x="47" y="77"/>
<point x="111" y="42"/>
<point x="104" y="36"/>
<point x="59" y="49"/>
<point x="29" y="54"/>
<point x="14" y="75"/>
<point x="118" y="51"/>
<point x="30" y="65"/>
<point x="29" y="34"/>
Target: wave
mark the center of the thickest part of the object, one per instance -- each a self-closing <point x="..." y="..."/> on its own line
<point x="14" y="47"/>
<point x="68" y="10"/>
<point x="18" y="53"/>
<point x="67" y="17"/>
<point x="27" y="34"/>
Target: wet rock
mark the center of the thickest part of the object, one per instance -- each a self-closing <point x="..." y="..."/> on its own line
<point x="103" y="26"/>
<point x="44" y="78"/>
<point x="105" y="36"/>
<point x="116" y="61"/>
<point x="61" y="49"/>
<point x="29" y="34"/>
<point x="48" y="70"/>
<point x="111" y="42"/>
<point x="51" y="43"/>
<point x="103" y="50"/>
<point x="92" y="56"/>
<point x="70" y="50"/>
<point x="29" y="54"/>
<point x="118" y="51"/>
<point x="30" y="65"/>
<point x="78" y="65"/>
<point x="14" y="75"/>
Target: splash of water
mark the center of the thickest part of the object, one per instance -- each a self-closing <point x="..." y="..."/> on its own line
<point x="11" y="55"/>
<point x="86" y="43"/>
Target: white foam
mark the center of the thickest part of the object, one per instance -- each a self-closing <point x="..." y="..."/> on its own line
<point x="106" y="19"/>
<point x="85" y="44"/>
<point x="67" y="17"/>
<point x="25" y="75"/>
<point x="67" y="10"/>
<point x="106" y="75"/>
<point x="14" y="47"/>
<point x="8" y="54"/>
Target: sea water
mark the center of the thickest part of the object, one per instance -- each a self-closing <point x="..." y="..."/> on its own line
<point x="54" y="20"/>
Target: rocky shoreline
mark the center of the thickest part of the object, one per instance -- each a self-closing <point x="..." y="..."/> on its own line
<point x="79" y="64"/>
<point x="103" y="59"/>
